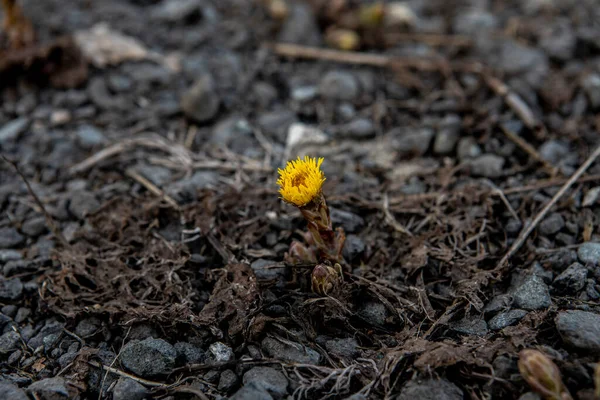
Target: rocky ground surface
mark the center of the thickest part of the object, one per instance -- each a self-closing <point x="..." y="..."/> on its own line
<point x="149" y="263"/>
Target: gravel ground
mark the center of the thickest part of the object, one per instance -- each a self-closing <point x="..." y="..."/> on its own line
<point x="142" y="239"/>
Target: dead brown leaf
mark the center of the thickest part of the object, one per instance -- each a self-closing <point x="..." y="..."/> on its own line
<point x="232" y="299"/>
<point x="417" y="258"/>
<point x="58" y="63"/>
<point x="432" y="355"/>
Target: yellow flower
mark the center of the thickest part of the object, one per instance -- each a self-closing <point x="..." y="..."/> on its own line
<point x="301" y="180"/>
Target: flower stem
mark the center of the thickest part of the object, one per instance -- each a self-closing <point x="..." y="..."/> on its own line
<point x="329" y="242"/>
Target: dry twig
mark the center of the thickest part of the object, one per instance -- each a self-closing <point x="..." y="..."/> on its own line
<point x="529" y="149"/>
<point x="528" y="229"/>
<point x="127" y="375"/>
<point x="49" y="220"/>
<point x="152" y="188"/>
<point x="374" y="60"/>
<point x="389" y="218"/>
<point x="153" y="142"/>
<point x="513" y="100"/>
<point x="190" y="137"/>
<point x="317" y="53"/>
<point x="497" y="191"/>
<point x="398" y="200"/>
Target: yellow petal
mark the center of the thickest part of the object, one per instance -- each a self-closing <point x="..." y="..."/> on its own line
<point x="301" y="180"/>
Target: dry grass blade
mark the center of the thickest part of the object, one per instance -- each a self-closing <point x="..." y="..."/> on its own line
<point x="389" y="218"/>
<point x="500" y="194"/>
<point x="332" y="382"/>
<point x="152" y="141"/>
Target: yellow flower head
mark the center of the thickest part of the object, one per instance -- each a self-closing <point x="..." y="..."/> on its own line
<point x="301" y="180"/>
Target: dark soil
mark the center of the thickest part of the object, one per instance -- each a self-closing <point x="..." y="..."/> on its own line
<point x="142" y="238"/>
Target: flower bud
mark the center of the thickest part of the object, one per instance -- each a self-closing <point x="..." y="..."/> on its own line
<point x="371" y="15"/>
<point x="278" y="10"/>
<point x="399" y="14"/>
<point x="342" y="39"/>
<point x="542" y="375"/>
<point x="324" y="278"/>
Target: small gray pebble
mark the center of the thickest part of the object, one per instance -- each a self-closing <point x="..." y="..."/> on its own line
<point x="149" y="357"/>
<point x="487" y="165"/>
<point x="251" y="391"/>
<point x="50" y="389"/>
<point x="551" y="224"/>
<point x="268" y="378"/>
<point x="353" y="249"/>
<point x="571" y="280"/>
<point x="201" y="102"/>
<point x="499" y="303"/>
<point x="343" y="348"/>
<point x="589" y="252"/>
<point x="374" y="313"/>
<point x="430" y="389"/>
<point x="9" y="342"/>
<point x="128" y="389"/>
<point x="339" y="85"/>
<point x="502" y="320"/>
<point x="467" y="148"/>
<point x="290" y="352"/>
<point x="13" y="129"/>
<point x="9" y="391"/>
<point x="579" y="329"/>
<point x="532" y="294"/>
<point x="189" y="354"/>
<point x="220" y="352"/>
<point x="227" y="381"/>
<point x="470" y="326"/>
<point x="9" y="238"/>
<point x="351" y="222"/>
<point x="11" y="289"/>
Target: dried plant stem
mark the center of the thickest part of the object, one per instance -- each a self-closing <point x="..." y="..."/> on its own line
<point x="153" y="142"/>
<point x="49" y="220"/>
<point x="390" y="220"/>
<point x="317" y="53"/>
<point x="181" y="157"/>
<point x="398" y="200"/>
<point x="529" y="149"/>
<point x="126" y="375"/>
<point x="328" y="241"/>
<point x="529" y="228"/>
<point x="152" y="187"/>
<point x="513" y="100"/>
<point x="146" y="382"/>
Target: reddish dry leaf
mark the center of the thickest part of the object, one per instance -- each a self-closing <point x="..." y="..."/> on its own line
<point x="39" y="365"/>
